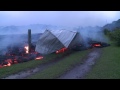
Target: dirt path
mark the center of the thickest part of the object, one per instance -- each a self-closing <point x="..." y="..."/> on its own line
<point x="82" y="69"/>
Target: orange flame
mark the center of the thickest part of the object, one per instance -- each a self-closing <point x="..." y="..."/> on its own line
<point x="97" y="45"/>
<point x="26" y="48"/>
<point x="9" y="61"/>
<point x="15" y="62"/>
<point x="9" y="64"/>
<point x="57" y="51"/>
<point x="38" y="58"/>
<point x="61" y="50"/>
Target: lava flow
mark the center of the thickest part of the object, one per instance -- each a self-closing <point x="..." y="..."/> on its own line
<point x="38" y="58"/>
<point x="97" y="45"/>
<point x="18" y="55"/>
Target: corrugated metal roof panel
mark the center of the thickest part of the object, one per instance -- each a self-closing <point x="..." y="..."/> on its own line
<point x="53" y="40"/>
<point x="65" y="36"/>
<point x="48" y="43"/>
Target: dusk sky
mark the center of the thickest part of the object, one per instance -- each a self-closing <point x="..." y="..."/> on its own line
<point x="59" y="18"/>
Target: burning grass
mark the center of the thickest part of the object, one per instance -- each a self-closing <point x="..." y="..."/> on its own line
<point x="108" y="66"/>
<point x="61" y="67"/>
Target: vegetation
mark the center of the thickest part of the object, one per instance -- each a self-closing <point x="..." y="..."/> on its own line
<point x="61" y="67"/>
<point x="108" y="65"/>
<point x="113" y="35"/>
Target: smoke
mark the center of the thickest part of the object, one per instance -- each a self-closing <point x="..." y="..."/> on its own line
<point x="10" y="40"/>
<point x="17" y="35"/>
<point x="92" y="34"/>
<point x="15" y="40"/>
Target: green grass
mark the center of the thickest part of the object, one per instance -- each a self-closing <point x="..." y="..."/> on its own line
<point x="62" y="66"/>
<point x="5" y="71"/>
<point x="108" y="65"/>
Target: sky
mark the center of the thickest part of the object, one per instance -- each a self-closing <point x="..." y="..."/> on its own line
<point x="58" y="18"/>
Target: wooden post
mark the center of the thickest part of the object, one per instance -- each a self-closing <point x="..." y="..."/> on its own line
<point x="29" y="40"/>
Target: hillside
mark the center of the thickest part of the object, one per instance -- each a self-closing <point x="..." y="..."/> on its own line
<point x="113" y="25"/>
<point x="36" y="28"/>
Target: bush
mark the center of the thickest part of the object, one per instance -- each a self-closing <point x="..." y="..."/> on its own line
<point x="115" y="36"/>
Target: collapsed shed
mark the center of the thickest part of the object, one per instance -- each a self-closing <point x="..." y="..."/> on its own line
<point x="53" y="40"/>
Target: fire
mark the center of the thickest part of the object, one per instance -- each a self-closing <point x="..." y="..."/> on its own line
<point x="19" y="55"/>
<point x="15" y="62"/>
<point x="26" y="48"/>
<point x="9" y="64"/>
<point x="61" y="50"/>
<point x="38" y="58"/>
<point x="97" y="45"/>
<point x="57" y="51"/>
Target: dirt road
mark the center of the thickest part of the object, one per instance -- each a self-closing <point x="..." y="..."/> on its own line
<point x="81" y="70"/>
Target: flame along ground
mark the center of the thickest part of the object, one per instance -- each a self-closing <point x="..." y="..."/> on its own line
<point x="61" y="50"/>
<point x="9" y="62"/>
<point x="96" y="45"/>
<point x="38" y="58"/>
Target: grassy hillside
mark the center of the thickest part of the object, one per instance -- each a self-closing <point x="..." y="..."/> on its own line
<point x="108" y="66"/>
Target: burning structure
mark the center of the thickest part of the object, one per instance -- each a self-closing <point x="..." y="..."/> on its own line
<point x="52" y="41"/>
<point x="20" y="52"/>
<point x="62" y="40"/>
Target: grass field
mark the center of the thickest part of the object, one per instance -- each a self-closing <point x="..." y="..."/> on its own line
<point x="62" y="66"/>
<point x="108" y="66"/>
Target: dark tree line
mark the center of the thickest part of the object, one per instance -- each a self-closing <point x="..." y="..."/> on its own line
<point x="114" y="35"/>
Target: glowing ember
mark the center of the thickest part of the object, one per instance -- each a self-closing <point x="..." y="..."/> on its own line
<point x="38" y="58"/>
<point x="15" y="62"/>
<point x="4" y="65"/>
<point x="26" y="48"/>
<point x="97" y="45"/>
<point x="9" y="64"/>
<point x="61" y="50"/>
<point x="57" y="51"/>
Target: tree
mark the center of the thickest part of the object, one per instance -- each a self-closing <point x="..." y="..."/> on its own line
<point x="106" y="31"/>
<point x="115" y="36"/>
